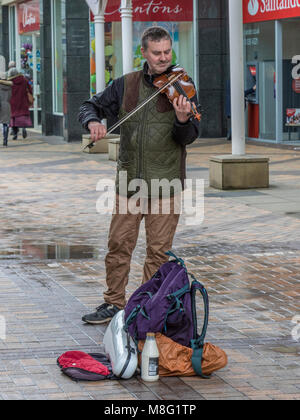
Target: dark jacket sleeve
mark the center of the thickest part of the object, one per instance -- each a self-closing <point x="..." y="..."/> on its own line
<point x="187" y="133"/>
<point x="106" y="104"/>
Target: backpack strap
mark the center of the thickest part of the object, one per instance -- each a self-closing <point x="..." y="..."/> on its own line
<point x="131" y="317"/>
<point x="197" y="342"/>
<point x="129" y="320"/>
<point x="176" y="304"/>
<point x="177" y="260"/>
<point x="130" y="352"/>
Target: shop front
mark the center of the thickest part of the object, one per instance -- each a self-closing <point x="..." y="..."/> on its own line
<point x="174" y="15"/>
<point x="24" y="48"/>
<point x="272" y="57"/>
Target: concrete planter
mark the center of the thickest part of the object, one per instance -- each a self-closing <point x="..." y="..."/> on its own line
<point x="238" y="172"/>
<point x="113" y="148"/>
<point x="101" y="146"/>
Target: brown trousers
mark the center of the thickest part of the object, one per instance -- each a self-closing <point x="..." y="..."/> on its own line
<point x="123" y="234"/>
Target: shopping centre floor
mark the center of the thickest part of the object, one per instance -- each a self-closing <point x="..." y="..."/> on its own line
<point x="53" y="243"/>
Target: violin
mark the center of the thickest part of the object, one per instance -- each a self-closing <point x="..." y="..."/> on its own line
<point x="173" y="84"/>
<point x="181" y="86"/>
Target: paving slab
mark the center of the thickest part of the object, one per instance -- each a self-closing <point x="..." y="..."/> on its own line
<point x="246" y="251"/>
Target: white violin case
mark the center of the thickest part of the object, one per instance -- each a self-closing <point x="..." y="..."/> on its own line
<point x="120" y="348"/>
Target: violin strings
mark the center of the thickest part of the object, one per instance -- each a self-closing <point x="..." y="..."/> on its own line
<point x="182" y="91"/>
<point x="116" y="125"/>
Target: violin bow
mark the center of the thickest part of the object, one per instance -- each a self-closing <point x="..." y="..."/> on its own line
<point x="140" y="106"/>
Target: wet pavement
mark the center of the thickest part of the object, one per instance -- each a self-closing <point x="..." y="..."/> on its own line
<point x="52" y="249"/>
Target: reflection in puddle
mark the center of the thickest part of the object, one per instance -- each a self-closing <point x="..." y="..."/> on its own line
<point x="286" y="349"/>
<point x="60" y="251"/>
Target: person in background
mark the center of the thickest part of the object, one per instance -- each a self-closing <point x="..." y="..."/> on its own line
<point x="19" y="102"/>
<point x="11" y="64"/>
<point x="5" y="95"/>
<point x="228" y="105"/>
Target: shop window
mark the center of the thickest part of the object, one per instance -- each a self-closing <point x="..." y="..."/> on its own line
<point x="259" y="46"/>
<point x="291" y="79"/>
<point x="179" y="23"/>
<point x="58" y="43"/>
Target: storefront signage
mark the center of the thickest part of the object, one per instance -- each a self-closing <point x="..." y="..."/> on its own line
<point x="153" y="11"/>
<point x="28" y="16"/>
<point x="296" y="85"/>
<point x="293" y="116"/>
<point x="260" y="10"/>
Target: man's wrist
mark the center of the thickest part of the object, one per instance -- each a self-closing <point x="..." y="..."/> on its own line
<point x="183" y="122"/>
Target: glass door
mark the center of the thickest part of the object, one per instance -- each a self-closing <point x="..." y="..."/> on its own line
<point x="259" y="41"/>
<point x="31" y="68"/>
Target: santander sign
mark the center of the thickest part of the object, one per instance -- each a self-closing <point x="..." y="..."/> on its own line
<point x="253" y="7"/>
<point x="260" y="10"/>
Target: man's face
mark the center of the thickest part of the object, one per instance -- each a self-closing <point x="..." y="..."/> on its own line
<point x="158" y="55"/>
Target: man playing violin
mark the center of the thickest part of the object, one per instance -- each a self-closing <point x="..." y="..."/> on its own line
<point x="152" y="148"/>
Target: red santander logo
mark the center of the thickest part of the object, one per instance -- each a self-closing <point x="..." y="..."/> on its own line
<point x="261" y="10"/>
<point x="253" y="7"/>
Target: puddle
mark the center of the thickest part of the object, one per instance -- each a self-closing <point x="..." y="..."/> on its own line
<point x="295" y="214"/>
<point x="287" y="350"/>
<point x="59" y="251"/>
<point x="23" y="230"/>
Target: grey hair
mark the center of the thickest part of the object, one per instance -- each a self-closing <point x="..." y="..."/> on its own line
<point x="154" y="33"/>
<point x="12" y="72"/>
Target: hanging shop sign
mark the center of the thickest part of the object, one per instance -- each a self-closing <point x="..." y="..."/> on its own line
<point x="260" y="10"/>
<point x="28" y="16"/>
<point x="296" y="85"/>
<point x="153" y="11"/>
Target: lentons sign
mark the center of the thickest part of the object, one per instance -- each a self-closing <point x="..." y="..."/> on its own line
<point x="260" y="10"/>
<point x="153" y="11"/>
<point x="28" y="16"/>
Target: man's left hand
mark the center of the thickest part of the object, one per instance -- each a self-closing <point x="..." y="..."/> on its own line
<point x="182" y="109"/>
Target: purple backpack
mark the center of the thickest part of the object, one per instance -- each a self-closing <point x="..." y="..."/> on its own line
<point x="166" y="304"/>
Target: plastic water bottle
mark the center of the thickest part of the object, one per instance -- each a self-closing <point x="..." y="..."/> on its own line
<point x="150" y="358"/>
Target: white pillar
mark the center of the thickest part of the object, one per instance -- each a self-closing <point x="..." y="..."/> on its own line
<point x="237" y="76"/>
<point x="98" y="8"/>
<point x="100" y="52"/>
<point x="127" y="44"/>
<point x="2" y="64"/>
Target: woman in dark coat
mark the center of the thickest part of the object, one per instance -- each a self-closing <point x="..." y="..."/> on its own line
<point x="19" y="102"/>
<point x="5" y="94"/>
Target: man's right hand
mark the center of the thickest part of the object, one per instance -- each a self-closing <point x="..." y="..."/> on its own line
<point x="97" y="130"/>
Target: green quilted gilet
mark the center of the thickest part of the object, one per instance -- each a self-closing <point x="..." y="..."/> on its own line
<point x="147" y="149"/>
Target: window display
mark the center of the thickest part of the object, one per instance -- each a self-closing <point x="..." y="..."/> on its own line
<point x="174" y="15"/>
<point x="28" y="45"/>
<point x="272" y="39"/>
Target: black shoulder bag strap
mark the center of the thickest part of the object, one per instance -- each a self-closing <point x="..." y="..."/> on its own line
<point x="197" y="342"/>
